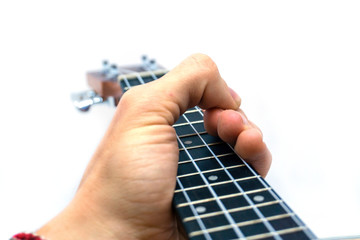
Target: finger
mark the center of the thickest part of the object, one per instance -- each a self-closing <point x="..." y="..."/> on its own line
<point x="251" y="147"/>
<point x="227" y="124"/>
<point x="234" y="127"/>
<point x="196" y="81"/>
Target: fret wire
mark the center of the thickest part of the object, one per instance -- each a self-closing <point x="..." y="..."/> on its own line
<point x="266" y="223"/>
<point x="246" y="223"/>
<point x="253" y="237"/>
<point x="205" y="158"/>
<point x="191" y="111"/>
<point x="281" y="232"/>
<point x="183" y="124"/>
<point x="191" y="134"/>
<point x="223" y="197"/>
<point x="226" y="213"/>
<point x="199" y="221"/>
<point x="282" y="203"/>
<point x="217" y="183"/>
<point x="200" y="146"/>
<point x="212" y="170"/>
<point x="238" y="210"/>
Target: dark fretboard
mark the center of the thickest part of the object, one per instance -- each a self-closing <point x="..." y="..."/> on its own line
<point x="218" y="195"/>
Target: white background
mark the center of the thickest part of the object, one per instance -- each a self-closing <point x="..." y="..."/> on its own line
<point x="295" y="65"/>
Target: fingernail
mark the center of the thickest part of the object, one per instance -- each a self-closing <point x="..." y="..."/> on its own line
<point x="244" y="119"/>
<point x="235" y="96"/>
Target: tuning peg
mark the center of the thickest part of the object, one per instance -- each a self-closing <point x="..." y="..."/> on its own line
<point x="153" y="64"/>
<point x="144" y="58"/>
<point x="145" y="61"/>
<point x="105" y="67"/>
<point x="149" y="64"/>
<point x="84" y="100"/>
<point x="113" y="71"/>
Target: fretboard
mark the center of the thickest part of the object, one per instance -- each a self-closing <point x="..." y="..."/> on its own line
<point x="218" y="195"/>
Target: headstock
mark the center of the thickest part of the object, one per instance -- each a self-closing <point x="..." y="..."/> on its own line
<point x="105" y="83"/>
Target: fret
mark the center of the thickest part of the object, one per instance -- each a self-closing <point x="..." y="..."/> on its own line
<point x="216" y="189"/>
<point x="199" y="224"/>
<point x="240" y="211"/>
<point x="283" y="223"/>
<point x="200" y="152"/>
<point x="192" y="110"/>
<point x="272" y="210"/>
<point x="195" y="141"/>
<point x="201" y="192"/>
<point x="211" y="139"/>
<point x="199" y="146"/>
<point x="187" y="168"/>
<point x="192" y="181"/>
<point x="182" y="161"/>
<point x="250" y="228"/>
<point x="222" y="197"/>
<point x="224" y="148"/>
<point x="228" y="184"/>
<point x="287" y="234"/>
<point x="261" y="197"/>
<point x="220" y="148"/>
<point x="250" y="184"/>
<point x="181" y="121"/>
<point x="221" y="179"/>
<point x="229" y="159"/>
<point x="199" y="127"/>
<point x="185" y="129"/>
<point x="193" y="116"/>
<point x="208" y="164"/>
<point x="295" y="233"/>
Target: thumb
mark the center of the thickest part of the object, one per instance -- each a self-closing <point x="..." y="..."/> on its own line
<point x="195" y="81"/>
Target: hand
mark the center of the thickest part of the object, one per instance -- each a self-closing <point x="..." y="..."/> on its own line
<point x="127" y="189"/>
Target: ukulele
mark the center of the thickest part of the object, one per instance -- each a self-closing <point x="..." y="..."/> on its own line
<point x="217" y="195"/>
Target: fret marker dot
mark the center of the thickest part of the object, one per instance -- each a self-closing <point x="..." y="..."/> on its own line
<point x="258" y="198"/>
<point x="200" y="209"/>
<point x="188" y="142"/>
<point x="213" y="178"/>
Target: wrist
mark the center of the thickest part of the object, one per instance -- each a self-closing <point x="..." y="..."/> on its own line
<point x="79" y="221"/>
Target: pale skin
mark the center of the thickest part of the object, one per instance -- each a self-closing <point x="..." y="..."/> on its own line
<point x="127" y="189"/>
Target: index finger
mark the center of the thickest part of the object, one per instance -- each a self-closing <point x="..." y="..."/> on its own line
<point x="195" y="81"/>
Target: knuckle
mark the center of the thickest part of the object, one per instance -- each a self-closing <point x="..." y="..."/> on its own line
<point x="128" y="98"/>
<point x="204" y="64"/>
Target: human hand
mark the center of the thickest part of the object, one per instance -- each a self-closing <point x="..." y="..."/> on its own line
<point x="128" y="186"/>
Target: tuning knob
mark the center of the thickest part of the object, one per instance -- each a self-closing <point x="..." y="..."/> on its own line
<point x="105" y="67"/>
<point x="84" y="100"/>
<point x="113" y="72"/>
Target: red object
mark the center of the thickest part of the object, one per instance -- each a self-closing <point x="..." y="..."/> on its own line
<point x="26" y="236"/>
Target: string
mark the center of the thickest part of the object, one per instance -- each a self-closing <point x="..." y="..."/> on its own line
<point x="199" y="221"/>
<point x="216" y="197"/>
<point x="272" y="192"/>
<point x="266" y="223"/>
